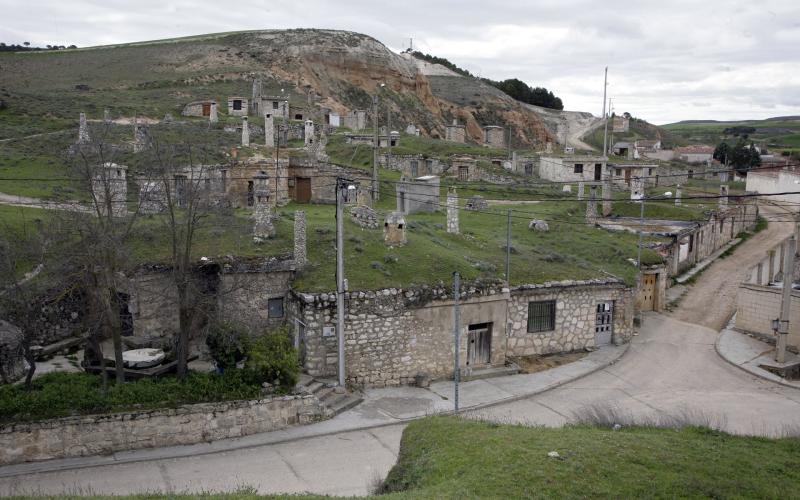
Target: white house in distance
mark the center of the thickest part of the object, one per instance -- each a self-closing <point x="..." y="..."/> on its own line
<point x="571" y="168"/>
<point x="771" y="181"/>
<point x="695" y="154"/>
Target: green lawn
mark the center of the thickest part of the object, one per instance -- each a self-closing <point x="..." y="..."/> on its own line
<point x="451" y="458"/>
<point x="778" y="134"/>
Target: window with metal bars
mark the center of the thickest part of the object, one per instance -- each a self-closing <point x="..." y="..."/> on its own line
<point x="541" y="316"/>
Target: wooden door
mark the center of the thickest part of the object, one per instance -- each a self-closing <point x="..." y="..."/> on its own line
<point x="303" y="189"/>
<point x="206" y="109"/>
<point x="628" y="176"/>
<point x="598" y="172"/>
<point x="479" y="347"/>
<point x="648" y="293"/>
<point x="604" y="323"/>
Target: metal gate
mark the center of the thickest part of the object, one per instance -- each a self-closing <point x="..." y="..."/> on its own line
<point x="604" y="323"/>
<point x="479" y="347"/>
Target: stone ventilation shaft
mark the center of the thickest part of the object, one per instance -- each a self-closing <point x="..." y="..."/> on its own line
<point x="678" y="195"/>
<point x="581" y="190"/>
<point x="607" y="196"/>
<point x="83" y="130"/>
<point x="212" y="115"/>
<point x="591" y="206"/>
<point x="394" y="229"/>
<point x="452" y="211"/>
<point x="309" y="133"/>
<point x="723" y="195"/>
<point x="300" y="256"/>
<point x="245" y="132"/>
<point x="269" y="131"/>
<point x="139" y="136"/>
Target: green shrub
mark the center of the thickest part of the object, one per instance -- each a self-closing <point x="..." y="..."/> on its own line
<point x="63" y="394"/>
<point x="272" y="358"/>
<point x="228" y="343"/>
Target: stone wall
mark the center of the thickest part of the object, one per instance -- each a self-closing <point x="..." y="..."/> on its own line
<point x="394" y="334"/>
<point x="576" y="309"/>
<point x="758" y="305"/>
<point x="105" y="434"/>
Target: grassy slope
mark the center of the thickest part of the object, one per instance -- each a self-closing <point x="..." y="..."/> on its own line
<point x="449" y="458"/>
<point x="639" y="129"/>
<point x="776" y="134"/>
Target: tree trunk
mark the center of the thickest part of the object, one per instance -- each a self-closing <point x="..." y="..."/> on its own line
<point x="185" y="322"/>
<point x="31" y="359"/>
<point x="112" y="324"/>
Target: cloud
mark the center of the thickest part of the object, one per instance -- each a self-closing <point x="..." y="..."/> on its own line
<point x="667" y="60"/>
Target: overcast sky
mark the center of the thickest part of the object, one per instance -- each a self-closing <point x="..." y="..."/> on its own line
<point x="668" y="60"/>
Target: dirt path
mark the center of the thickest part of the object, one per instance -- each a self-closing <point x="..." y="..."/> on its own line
<point x="711" y="301"/>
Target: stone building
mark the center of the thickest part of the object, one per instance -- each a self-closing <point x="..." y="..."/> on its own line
<point x="110" y="189"/>
<point x="237" y="106"/>
<point x="414" y="165"/>
<point x="394" y="229"/>
<point x="311" y="181"/>
<point x="384" y="140"/>
<point x="494" y="136"/>
<point x="759" y="297"/>
<point x="572" y="168"/>
<point x="455" y="133"/>
<point x="393" y="335"/>
<point x="418" y="195"/>
<point x="355" y="120"/>
<point x="632" y="174"/>
<point x="464" y="168"/>
<point x="199" y="108"/>
<point x="621" y="124"/>
<point x="272" y="105"/>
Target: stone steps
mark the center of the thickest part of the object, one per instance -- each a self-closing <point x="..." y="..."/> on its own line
<point x="490" y="372"/>
<point x="325" y="391"/>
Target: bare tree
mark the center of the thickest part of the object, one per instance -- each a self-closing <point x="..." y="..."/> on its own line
<point x="102" y="227"/>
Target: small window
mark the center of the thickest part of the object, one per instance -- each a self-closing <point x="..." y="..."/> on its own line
<point x="463" y="173"/>
<point x="578" y="168"/>
<point x="618" y="172"/>
<point x="237" y="104"/>
<point x="649" y="171"/>
<point x="541" y="316"/>
<point x="275" y="307"/>
<point x="298" y="117"/>
<point x="274" y="104"/>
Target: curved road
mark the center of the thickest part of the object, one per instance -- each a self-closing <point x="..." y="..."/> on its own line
<point x="671" y="368"/>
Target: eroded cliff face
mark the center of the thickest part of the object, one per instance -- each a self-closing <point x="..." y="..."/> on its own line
<point x="343" y="70"/>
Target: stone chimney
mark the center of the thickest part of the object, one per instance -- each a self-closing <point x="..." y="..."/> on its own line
<point x="308" y="132"/>
<point x="212" y="115"/>
<point x="263" y="229"/>
<point x="245" y="132"/>
<point x="300" y="257"/>
<point x="723" y="195"/>
<point x="269" y="131"/>
<point x="106" y="115"/>
<point x="607" y="196"/>
<point x="591" y="206"/>
<point x="83" y="130"/>
<point x="452" y="211"/>
<point x="678" y="195"/>
<point x="394" y="229"/>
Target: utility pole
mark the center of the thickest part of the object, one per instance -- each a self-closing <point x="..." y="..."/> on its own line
<point x="388" y="132"/>
<point x="375" y="150"/>
<point x="508" y="248"/>
<point x="610" y="112"/>
<point x="786" y="300"/>
<point x="509" y="142"/>
<point x="340" y="188"/>
<point x="457" y="335"/>
<point x="639" y="252"/>
<point x="605" y="118"/>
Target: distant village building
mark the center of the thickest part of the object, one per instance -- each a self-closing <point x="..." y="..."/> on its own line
<point x="110" y="189"/>
<point x="237" y="106"/>
<point x="494" y="136"/>
<point x="273" y="105"/>
<point x="465" y="169"/>
<point x="455" y="133"/>
<point x="571" y="168"/>
<point x="412" y="166"/>
<point x="418" y="195"/>
<point x="695" y="154"/>
<point x="198" y="108"/>
<point x="384" y="140"/>
<point x="621" y="124"/>
<point x="355" y="120"/>
<point x="772" y="181"/>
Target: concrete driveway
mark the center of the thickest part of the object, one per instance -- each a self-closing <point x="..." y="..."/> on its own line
<point x="671" y="367"/>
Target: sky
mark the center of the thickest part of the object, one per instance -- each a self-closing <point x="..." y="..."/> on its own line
<point x="667" y="60"/>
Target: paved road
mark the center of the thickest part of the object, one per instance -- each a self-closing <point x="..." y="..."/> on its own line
<point x="671" y="368"/>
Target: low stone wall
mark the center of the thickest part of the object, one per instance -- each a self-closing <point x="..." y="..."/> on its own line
<point x="190" y="424"/>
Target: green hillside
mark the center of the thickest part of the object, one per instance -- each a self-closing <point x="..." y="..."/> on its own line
<point x="781" y="133"/>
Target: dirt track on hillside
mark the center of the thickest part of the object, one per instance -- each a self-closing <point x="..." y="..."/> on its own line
<point x="711" y="301"/>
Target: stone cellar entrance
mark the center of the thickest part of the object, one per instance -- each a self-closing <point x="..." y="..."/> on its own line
<point x="604" y="323"/>
<point x="479" y="346"/>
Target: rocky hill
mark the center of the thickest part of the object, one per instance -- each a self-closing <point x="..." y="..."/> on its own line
<point x="335" y="69"/>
